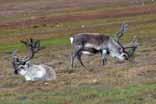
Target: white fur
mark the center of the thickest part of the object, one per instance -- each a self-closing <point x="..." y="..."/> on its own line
<point x="114" y="52"/>
<point x="89" y="45"/>
<point x="104" y="51"/>
<point x="71" y="40"/>
<point x="119" y="56"/>
<point x="37" y="72"/>
<point x="86" y="52"/>
<point x="22" y="72"/>
<point x="41" y="72"/>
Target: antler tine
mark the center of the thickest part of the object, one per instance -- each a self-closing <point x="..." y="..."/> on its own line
<point x="27" y="42"/>
<point x="133" y="43"/>
<point x="123" y="29"/>
<point x="35" y="46"/>
<point x="24" y="42"/>
<point x="132" y="46"/>
<point x="32" y="44"/>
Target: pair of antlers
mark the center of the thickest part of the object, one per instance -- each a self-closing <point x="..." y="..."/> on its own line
<point x="133" y="45"/>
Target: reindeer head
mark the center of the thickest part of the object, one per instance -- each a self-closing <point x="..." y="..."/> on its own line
<point x="21" y="65"/>
<point x="121" y="51"/>
<point x="117" y="50"/>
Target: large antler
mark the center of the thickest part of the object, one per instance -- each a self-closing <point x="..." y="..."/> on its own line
<point x="123" y="29"/>
<point x="33" y="46"/>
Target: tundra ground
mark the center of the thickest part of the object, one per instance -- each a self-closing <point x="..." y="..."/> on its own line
<point x="53" y="22"/>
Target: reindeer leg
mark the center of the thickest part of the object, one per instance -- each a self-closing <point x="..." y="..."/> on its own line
<point x="104" y="56"/>
<point x="79" y="58"/>
<point x="77" y="54"/>
<point x="104" y="60"/>
<point x="72" y="59"/>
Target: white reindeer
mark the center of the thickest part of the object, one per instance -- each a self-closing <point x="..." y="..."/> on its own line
<point x="32" y="72"/>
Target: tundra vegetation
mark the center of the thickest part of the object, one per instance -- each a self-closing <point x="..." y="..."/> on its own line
<point x="53" y="22"/>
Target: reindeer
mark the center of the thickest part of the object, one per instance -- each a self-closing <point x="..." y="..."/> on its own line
<point x="94" y="43"/>
<point x="32" y="72"/>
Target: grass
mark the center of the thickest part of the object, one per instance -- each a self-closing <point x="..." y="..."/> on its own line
<point x="145" y="31"/>
<point x="95" y="94"/>
<point x="62" y="11"/>
<point x="70" y="25"/>
<point x="57" y="41"/>
<point x="44" y="43"/>
<point x="67" y="28"/>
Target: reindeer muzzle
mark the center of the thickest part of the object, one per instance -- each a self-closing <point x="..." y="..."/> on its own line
<point x="126" y="57"/>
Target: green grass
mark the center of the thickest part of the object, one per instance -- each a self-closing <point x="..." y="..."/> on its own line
<point x="133" y="94"/>
<point x="57" y="41"/>
<point x="45" y="43"/>
<point x="10" y="47"/>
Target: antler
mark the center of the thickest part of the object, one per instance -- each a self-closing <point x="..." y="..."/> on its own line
<point x="33" y="46"/>
<point x="123" y="29"/>
<point x="133" y="45"/>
